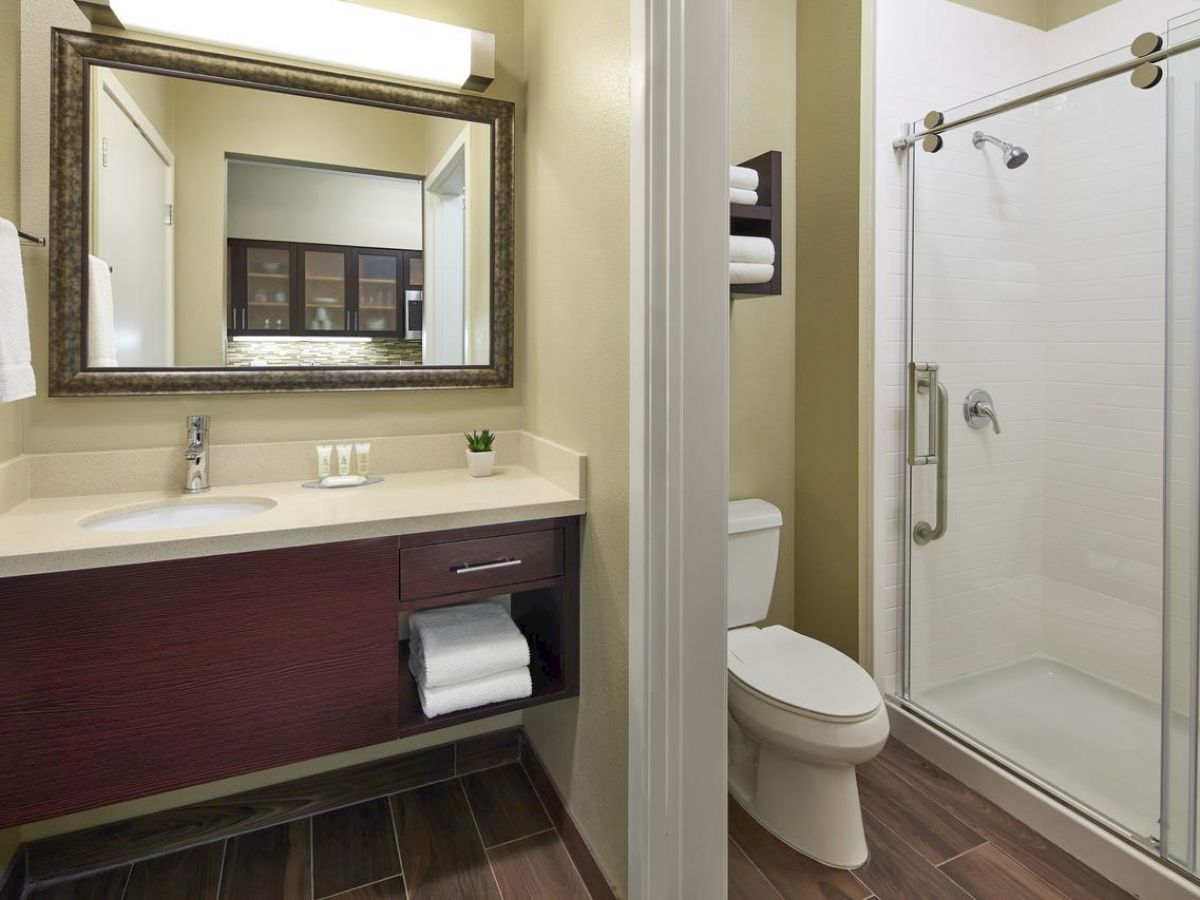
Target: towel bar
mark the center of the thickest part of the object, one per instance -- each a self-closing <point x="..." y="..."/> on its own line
<point x="31" y="239"/>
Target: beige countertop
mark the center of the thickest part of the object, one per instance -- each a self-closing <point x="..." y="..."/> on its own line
<point x="45" y="535"/>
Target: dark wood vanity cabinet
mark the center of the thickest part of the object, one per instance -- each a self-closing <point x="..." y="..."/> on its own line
<point x="320" y="290"/>
<point x="121" y="682"/>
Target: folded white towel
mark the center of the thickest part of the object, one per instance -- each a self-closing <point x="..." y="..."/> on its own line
<point x="16" y="365"/>
<point x="750" y="273"/>
<point x="743" y="197"/>
<point x="744" y="178"/>
<point x="458" y="644"/>
<point x="745" y="249"/>
<point x="515" y="684"/>
<point x="102" y="341"/>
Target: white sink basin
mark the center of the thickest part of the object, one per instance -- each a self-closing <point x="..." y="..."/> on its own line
<point x="189" y="513"/>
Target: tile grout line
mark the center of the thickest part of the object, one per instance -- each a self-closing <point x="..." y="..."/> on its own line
<point x="913" y="853"/>
<point x="1020" y="865"/>
<point x="128" y="878"/>
<point x="396" y="838"/>
<point x="312" y="864"/>
<point x="482" y="842"/>
<point x="221" y="870"/>
<point x="357" y="887"/>
<point x="946" y="862"/>
<point x="553" y="826"/>
<point x="523" y="838"/>
<point x="754" y="866"/>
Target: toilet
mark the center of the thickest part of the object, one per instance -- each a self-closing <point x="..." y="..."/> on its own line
<point x="802" y="715"/>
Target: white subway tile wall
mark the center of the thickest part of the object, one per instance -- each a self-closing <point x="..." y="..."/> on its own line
<point x="1045" y="286"/>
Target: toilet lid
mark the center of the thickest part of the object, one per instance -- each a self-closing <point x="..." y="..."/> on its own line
<point x="801" y="672"/>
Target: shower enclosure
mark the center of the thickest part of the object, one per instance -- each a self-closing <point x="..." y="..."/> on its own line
<point x="1052" y="452"/>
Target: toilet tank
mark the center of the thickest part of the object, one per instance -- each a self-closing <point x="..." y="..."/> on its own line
<point x="753" y="553"/>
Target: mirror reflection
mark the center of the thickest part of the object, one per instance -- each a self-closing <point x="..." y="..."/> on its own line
<point x="238" y="227"/>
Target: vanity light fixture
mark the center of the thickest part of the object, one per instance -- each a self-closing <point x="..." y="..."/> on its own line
<point x="334" y="32"/>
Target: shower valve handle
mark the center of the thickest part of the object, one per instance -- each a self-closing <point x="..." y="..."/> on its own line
<point x="979" y="410"/>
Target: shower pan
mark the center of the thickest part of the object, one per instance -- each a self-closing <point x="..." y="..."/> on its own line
<point x="1052" y="437"/>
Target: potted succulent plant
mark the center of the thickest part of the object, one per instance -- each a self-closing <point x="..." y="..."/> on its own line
<point x="481" y="459"/>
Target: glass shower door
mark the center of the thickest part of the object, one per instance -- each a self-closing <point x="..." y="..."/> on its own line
<point x="1034" y="525"/>
<point x="1182" y="611"/>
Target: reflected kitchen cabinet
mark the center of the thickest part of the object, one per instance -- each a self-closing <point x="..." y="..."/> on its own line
<point x="306" y="290"/>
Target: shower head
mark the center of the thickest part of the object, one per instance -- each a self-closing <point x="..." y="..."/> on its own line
<point x="1014" y="156"/>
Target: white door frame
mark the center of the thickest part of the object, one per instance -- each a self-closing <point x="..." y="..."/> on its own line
<point x="679" y="414"/>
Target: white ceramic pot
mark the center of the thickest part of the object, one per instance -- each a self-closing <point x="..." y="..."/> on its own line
<point x="480" y="465"/>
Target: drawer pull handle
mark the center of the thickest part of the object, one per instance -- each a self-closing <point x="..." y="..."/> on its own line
<point x="468" y="568"/>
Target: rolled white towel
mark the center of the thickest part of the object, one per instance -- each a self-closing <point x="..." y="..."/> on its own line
<point x="743" y="178"/>
<point x="515" y="684"/>
<point x="743" y="197"/>
<point x="746" y="249"/>
<point x="750" y="273"/>
<point x="458" y="644"/>
<point x="102" y="340"/>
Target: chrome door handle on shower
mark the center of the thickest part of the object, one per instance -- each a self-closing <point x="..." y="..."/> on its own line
<point x="924" y="377"/>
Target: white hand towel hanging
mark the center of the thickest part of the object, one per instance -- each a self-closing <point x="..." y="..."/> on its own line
<point x="743" y="178"/>
<point x="746" y="249"/>
<point x="102" y="341"/>
<point x="16" y="360"/>
<point x="462" y="643"/>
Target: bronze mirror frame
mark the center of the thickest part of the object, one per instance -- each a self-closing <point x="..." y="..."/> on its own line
<point x="73" y="55"/>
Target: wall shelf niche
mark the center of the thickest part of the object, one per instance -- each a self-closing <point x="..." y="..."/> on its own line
<point x="762" y="220"/>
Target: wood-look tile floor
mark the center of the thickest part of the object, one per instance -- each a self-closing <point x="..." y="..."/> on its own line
<point x="930" y="838"/>
<point x="482" y="836"/>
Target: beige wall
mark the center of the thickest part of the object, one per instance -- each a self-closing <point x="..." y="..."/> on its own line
<point x="143" y="422"/>
<point x="827" y="369"/>
<point x="762" y="332"/>
<point x="10" y="413"/>
<point x="576" y="339"/>
<point x="1038" y="13"/>
<point x="216" y="119"/>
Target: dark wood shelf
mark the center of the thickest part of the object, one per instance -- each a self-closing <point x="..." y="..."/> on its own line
<point x="751" y="213"/>
<point x="763" y="220"/>
<point x="549" y="685"/>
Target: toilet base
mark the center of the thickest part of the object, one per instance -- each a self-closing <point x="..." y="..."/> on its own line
<point x="812" y="808"/>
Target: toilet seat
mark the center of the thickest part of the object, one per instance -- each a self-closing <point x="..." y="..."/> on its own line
<point x="801" y="674"/>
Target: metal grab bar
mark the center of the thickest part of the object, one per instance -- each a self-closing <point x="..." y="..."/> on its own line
<point x="923" y="532"/>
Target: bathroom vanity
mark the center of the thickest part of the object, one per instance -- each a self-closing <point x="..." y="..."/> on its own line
<point x="141" y="662"/>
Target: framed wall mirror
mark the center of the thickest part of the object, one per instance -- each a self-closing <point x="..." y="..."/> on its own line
<point x="226" y="224"/>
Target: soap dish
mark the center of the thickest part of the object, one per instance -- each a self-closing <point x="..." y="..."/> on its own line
<point x="343" y="481"/>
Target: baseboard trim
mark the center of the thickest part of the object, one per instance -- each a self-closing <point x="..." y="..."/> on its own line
<point x="12" y="880"/>
<point x="594" y="878"/>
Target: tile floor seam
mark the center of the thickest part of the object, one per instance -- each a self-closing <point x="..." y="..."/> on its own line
<point x="946" y="862"/>
<point x="909" y="849"/>
<point x="1021" y="865"/>
<point x="553" y="825"/>
<point x="221" y="870"/>
<point x="482" y="842"/>
<point x="125" y="886"/>
<point x="523" y="837"/>
<point x="396" y="839"/>
<point x="755" y="867"/>
<point x="312" y="858"/>
<point x="358" y="887"/>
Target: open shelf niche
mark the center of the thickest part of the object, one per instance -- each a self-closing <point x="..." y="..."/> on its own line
<point x="762" y="220"/>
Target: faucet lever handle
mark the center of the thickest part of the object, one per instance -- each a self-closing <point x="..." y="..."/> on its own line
<point x="979" y="410"/>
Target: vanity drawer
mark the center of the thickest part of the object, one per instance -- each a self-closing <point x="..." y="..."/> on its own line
<point x="460" y="567"/>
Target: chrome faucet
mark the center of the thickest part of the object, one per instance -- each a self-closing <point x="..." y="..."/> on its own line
<point x="196" y="455"/>
<point x="979" y="409"/>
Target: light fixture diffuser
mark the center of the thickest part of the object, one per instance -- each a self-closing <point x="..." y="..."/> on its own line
<point x="333" y="32"/>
